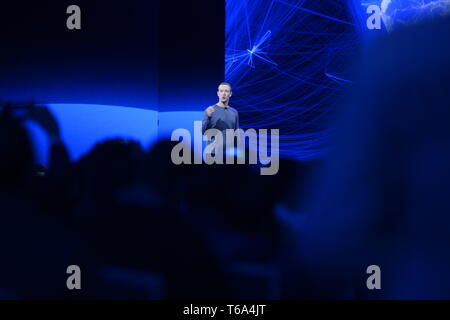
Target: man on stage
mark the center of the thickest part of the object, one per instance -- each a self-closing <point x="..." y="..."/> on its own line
<point x="221" y="116"/>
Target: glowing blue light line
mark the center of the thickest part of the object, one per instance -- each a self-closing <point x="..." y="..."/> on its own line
<point x="337" y="78"/>
<point x="315" y="13"/>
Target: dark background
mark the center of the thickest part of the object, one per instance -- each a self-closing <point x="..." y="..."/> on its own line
<point x="125" y="53"/>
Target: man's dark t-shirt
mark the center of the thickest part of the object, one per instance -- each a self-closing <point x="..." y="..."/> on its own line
<point x="221" y="119"/>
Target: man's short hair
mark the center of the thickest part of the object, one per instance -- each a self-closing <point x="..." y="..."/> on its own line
<point x="225" y="84"/>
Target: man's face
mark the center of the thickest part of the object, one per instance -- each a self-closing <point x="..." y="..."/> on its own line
<point x="224" y="93"/>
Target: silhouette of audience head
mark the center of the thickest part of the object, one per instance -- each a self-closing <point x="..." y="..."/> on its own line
<point x="16" y="154"/>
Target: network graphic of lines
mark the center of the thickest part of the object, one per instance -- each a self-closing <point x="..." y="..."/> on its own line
<point x="288" y="61"/>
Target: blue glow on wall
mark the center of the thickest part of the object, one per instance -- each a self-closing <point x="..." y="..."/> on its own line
<point x="83" y="125"/>
<point x="169" y="121"/>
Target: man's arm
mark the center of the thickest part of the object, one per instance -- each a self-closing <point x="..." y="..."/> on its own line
<point x="237" y="121"/>
<point x="206" y="124"/>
